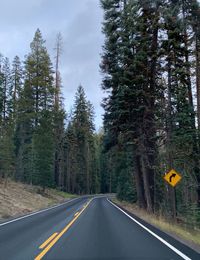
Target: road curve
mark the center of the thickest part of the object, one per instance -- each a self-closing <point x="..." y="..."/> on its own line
<point x="92" y="229"/>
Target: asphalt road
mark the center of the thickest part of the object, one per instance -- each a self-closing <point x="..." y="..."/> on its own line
<point x="87" y="228"/>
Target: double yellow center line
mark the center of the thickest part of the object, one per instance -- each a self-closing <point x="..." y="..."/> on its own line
<point x="50" y="242"/>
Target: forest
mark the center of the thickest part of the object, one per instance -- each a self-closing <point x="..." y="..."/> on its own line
<point x="150" y="66"/>
<point x="40" y="143"/>
<point x="151" y="74"/>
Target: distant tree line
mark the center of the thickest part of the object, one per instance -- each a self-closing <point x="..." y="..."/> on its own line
<point x="151" y="68"/>
<point x="39" y="143"/>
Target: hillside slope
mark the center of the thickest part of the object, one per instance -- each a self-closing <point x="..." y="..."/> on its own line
<point x="17" y="199"/>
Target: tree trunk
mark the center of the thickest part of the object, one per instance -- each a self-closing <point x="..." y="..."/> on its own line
<point x="197" y="51"/>
<point x="56" y="169"/>
<point x="146" y="184"/>
<point x="172" y="194"/>
<point x="198" y="105"/>
<point x="139" y="183"/>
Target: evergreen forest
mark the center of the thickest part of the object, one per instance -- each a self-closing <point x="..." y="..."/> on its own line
<point x="150" y="67"/>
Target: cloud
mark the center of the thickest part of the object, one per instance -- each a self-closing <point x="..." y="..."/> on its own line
<point x="80" y="25"/>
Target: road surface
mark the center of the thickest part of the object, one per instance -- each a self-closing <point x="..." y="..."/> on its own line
<point x="84" y="229"/>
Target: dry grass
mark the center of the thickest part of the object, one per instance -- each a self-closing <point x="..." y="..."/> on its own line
<point x="188" y="236"/>
<point x="18" y="199"/>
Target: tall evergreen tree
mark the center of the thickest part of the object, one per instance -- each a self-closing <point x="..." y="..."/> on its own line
<point x="59" y="116"/>
<point x="35" y="104"/>
<point x="80" y="149"/>
<point x="16" y="85"/>
<point x="148" y="70"/>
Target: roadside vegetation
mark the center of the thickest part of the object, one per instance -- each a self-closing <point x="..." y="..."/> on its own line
<point x="151" y="68"/>
<point x="40" y="143"/>
<point x="17" y="199"/>
<point x="179" y="230"/>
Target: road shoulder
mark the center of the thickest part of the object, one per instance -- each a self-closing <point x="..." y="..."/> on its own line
<point x="170" y="237"/>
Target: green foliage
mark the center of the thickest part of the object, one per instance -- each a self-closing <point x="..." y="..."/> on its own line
<point x="35" y="146"/>
<point x="7" y="158"/>
<point x="149" y="73"/>
<point x="81" y="148"/>
<point x="43" y="148"/>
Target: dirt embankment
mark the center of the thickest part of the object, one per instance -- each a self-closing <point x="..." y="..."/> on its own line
<point x="17" y="199"/>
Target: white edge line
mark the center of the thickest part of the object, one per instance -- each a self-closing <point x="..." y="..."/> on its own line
<point x="153" y="234"/>
<point x="40" y="211"/>
<point x="37" y="212"/>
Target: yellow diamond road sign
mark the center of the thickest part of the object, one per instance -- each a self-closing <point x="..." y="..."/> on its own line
<point x="172" y="177"/>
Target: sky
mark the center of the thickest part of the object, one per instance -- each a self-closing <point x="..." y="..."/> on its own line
<point x="79" y="22"/>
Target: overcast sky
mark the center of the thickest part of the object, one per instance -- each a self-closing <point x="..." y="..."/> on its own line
<point x="79" y="21"/>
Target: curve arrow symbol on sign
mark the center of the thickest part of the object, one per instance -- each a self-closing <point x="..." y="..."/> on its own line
<point x="172" y="176"/>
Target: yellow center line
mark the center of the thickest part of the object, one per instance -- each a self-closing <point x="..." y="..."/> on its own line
<point x="48" y="240"/>
<point x="52" y="243"/>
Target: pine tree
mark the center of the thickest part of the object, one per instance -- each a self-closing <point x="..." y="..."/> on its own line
<point x="180" y="119"/>
<point x="1" y="92"/>
<point x="59" y="116"/>
<point x="43" y="151"/>
<point x="133" y="87"/>
<point x="39" y="75"/>
<point x="195" y="23"/>
<point x="82" y="128"/>
<point x="36" y="104"/>
<point x="23" y="135"/>
<point x="71" y="163"/>
<point x="7" y="158"/>
<point x="16" y="85"/>
<point x="80" y="149"/>
<point x="7" y="164"/>
<point x="148" y="66"/>
<point x="5" y="89"/>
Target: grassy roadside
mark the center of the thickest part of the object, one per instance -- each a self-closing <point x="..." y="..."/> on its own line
<point x="18" y="199"/>
<point x="187" y="236"/>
